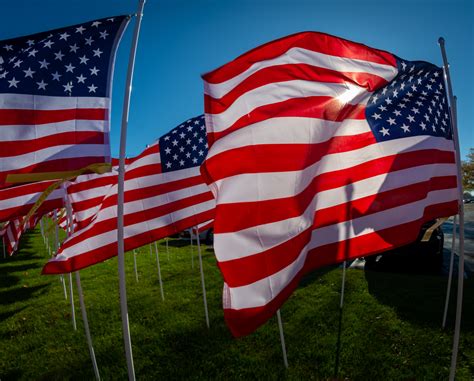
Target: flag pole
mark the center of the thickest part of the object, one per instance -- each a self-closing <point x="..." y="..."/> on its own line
<point x="135" y="264"/>
<point x="457" y="325"/>
<point x="450" y="276"/>
<point x="204" y="297"/>
<point x="71" y="290"/>
<point x="120" y="198"/>
<point x="159" y="271"/>
<point x="56" y="247"/>
<point x="282" y="339"/>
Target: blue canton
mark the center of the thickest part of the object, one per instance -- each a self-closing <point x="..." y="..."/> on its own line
<point x="72" y="61"/>
<point x="184" y="146"/>
<point x="414" y="103"/>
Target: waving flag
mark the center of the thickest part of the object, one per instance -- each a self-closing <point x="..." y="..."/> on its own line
<point x="322" y="150"/>
<point x="55" y="90"/>
<point x="13" y="231"/>
<point x="164" y="194"/>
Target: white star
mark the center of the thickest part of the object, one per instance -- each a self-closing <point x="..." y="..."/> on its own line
<point x="429" y="87"/>
<point x="175" y="157"/>
<point x="43" y="64"/>
<point x="384" y="131"/>
<point x="402" y="86"/>
<point x="56" y="76"/>
<point x="419" y="81"/>
<point x="382" y="108"/>
<point x="413" y="87"/>
<point x="168" y="150"/>
<point x="13" y="82"/>
<point x="41" y="85"/>
<point x="48" y="44"/>
<point x="96" y="23"/>
<point x="97" y="52"/>
<point x="188" y="141"/>
<point x="29" y="73"/>
<point x="391" y="121"/>
<point x="73" y="48"/>
<point x="4" y="74"/>
<point x="201" y="152"/>
<point x="374" y="98"/>
<point x="89" y="41"/>
<point x="58" y="56"/>
<point x="188" y="155"/>
<point x="376" y="116"/>
<point x="182" y="135"/>
<point x="194" y="147"/>
<point x="423" y="126"/>
<point x="189" y="128"/>
<point x="195" y="160"/>
<point x="389" y="101"/>
<point x="80" y="29"/>
<point x="415" y="110"/>
<point x="68" y="87"/>
<point x="426" y="116"/>
<point x="434" y="128"/>
<point x="436" y="74"/>
<point x="81" y="79"/>
<point x="181" y="149"/>
<point x="395" y="93"/>
<point x="181" y="163"/>
<point x="111" y="19"/>
<point x="83" y="59"/>
<point x="167" y="137"/>
<point x="384" y="91"/>
<point x="69" y="68"/>
<point x="32" y="53"/>
<point x="411" y="119"/>
<point x="405" y="128"/>
<point x="8" y="47"/>
<point x="30" y="42"/>
<point x="402" y="105"/>
<point x="175" y="143"/>
<point x="104" y="34"/>
<point x="92" y="88"/>
<point x="17" y="63"/>
<point x="64" y="36"/>
<point x="94" y="71"/>
<point x="168" y="165"/>
<point x="200" y="140"/>
<point x="404" y="65"/>
<point x="397" y="112"/>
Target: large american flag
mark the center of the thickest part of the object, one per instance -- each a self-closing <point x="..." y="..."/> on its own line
<point x="55" y="98"/>
<point x="322" y="150"/>
<point x="164" y="194"/>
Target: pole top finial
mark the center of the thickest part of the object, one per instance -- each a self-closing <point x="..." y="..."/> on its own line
<point x="441" y="40"/>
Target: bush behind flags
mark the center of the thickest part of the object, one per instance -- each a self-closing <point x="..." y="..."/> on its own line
<point x="164" y="194"/>
<point x="321" y="150"/>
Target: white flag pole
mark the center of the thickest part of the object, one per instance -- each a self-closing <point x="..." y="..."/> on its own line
<point x="86" y="326"/>
<point x="135" y="264"/>
<point x="457" y="325"/>
<point x="120" y="198"/>
<point x="159" y="271"/>
<point x="192" y="248"/>
<point x="450" y="275"/>
<point x="204" y="297"/>
<point x="343" y="284"/>
<point x="282" y="339"/>
<point x="56" y="247"/>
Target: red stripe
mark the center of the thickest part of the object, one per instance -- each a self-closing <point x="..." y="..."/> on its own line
<point x="26" y="189"/>
<point x="319" y="107"/>
<point x="22" y="210"/>
<point x="267" y="211"/>
<point x="283" y="73"/>
<point x="318" y="42"/>
<point x="9" y="149"/>
<point x="108" y="251"/>
<point x="35" y="117"/>
<point x="243" y="271"/>
<point x="245" y="321"/>
<point x="280" y="157"/>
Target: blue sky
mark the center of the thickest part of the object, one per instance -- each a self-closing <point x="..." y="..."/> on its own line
<point x="180" y="40"/>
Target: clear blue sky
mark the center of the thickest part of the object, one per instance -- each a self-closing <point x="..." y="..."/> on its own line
<point x="181" y="40"/>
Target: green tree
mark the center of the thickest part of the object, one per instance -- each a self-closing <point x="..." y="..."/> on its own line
<point x="468" y="171"/>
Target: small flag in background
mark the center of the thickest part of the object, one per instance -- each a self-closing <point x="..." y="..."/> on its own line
<point x="164" y="194"/>
<point x="55" y="98"/>
<point x="13" y="231"/>
<point x="322" y="150"/>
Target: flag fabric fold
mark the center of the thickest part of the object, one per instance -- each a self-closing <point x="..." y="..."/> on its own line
<point x="164" y="194"/>
<point x="321" y="150"/>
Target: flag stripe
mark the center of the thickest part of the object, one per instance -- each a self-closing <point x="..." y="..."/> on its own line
<point x="38" y="117"/>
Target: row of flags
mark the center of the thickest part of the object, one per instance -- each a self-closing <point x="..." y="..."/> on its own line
<point x="312" y="150"/>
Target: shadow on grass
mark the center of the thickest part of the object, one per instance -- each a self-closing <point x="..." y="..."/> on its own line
<point x="420" y="298"/>
<point x="21" y="293"/>
<point x="14" y="374"/>
<point x="6" y="315"/>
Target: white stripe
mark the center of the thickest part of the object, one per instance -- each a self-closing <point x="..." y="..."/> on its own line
<point x="30" y="132"/>
<point x="304" y="56"/>
<point x="18" y="201"/>
<point x="265" y="186"/>
<point x="282" y="91"/>
<point x="103" y="239"/>
<point x="53" y="153"/>
<point x="288" y="130"/>
<point x="44" y="102"/>
<point x="275" y="233"/>
<point x="263" y="291"/>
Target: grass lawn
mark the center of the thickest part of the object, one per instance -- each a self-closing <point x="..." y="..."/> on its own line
<point x="390" y="327"/>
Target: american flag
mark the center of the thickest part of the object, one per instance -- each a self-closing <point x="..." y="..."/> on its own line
<point x="322" y="150"/>
<point x="164" y="194"/>
<point x="13" y="231"/>
<point x="19" y="200"/>
<point x="55" y="98"/>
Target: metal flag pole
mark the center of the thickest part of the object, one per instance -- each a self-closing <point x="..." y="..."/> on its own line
<point x="120" y="199"/>
<point x="159" y="271"/>
<point x="457" y="325"/>
<point x="71" y="298"/>
<point x="344" y="265"/>
<point x="135" y="264"/>
<point x="282" y="339"/>
<point x="86" y="325"/>
<point x="450" y="276"/>
<point x="56" y="246"/>
<point x="204" y="297"/>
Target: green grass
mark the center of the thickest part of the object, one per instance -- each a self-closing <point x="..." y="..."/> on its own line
<point x="390" y="327"/>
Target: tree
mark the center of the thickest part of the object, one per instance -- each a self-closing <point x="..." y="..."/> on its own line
<point x="467" y="168"/>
